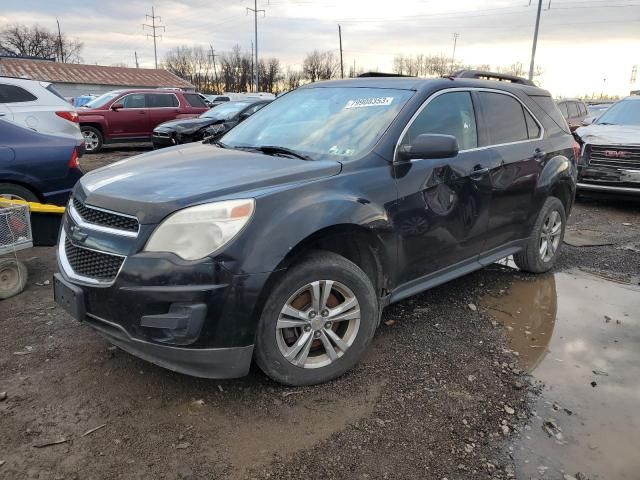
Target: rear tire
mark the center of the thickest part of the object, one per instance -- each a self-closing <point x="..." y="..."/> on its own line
<point x="13" y="277"/>
<point x="303" y="341"/>
<point x="543" y="247"/>
<point x="12" y="191"/>
<point x="93" y="139"/>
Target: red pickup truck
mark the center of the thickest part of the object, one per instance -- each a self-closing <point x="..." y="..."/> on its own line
<point x="131" y="115"/>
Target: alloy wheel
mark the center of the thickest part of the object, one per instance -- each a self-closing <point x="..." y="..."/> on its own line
<point x="318" y="324"/>
<point x="550" y="236"/>
<point x="91" y="140"/>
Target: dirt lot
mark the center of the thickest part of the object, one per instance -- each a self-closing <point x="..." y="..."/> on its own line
<point x="441" y="393"/>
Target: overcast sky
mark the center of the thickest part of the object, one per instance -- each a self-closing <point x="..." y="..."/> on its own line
<point x="582" y="42"/>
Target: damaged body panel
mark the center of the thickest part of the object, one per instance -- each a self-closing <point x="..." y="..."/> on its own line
<point x="610" y="158"/>
<point x="213" y="123"/>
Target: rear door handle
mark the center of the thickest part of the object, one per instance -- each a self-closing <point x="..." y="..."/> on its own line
<point x="478" y="173"/>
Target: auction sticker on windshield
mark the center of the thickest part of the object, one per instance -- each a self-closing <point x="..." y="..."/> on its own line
<point x="369" y="102"/>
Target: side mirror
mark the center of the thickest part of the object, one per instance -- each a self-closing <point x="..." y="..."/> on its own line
<point x="117" y="106"/>
<point x="429" y="145"/>
<point x="588" y="121"/>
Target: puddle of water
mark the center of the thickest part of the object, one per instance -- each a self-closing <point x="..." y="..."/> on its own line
<point x="572" y="329"/>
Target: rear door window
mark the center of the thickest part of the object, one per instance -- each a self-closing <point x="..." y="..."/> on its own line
<point x="161" y="100"/>
<point x="194" y="100"/>
<point x="447" y="114"/>
<point x="15" y="94"/>
<point x="504" y="118"/>
<point x="573" y="109"/>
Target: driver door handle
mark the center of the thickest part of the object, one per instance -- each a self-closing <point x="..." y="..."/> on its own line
<point x="478" y="173"/>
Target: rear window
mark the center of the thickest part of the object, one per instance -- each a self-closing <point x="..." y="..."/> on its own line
<point x="53" y="90"/>
<point x="550" y="108"/>
<point x="14" y="94"/>
<point x="194" y="100"/>
<point x="504" y="116"/>
<point x="161" y="100"/>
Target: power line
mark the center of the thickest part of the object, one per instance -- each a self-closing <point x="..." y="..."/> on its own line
<point x="255" y="27"/>
<point x="153" y="28"/>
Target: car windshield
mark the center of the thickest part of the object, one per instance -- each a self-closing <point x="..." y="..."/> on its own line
<point x="322" y="122"/>
<point x="626" y="112"/>
<point x="225" y="111"/>
<point x="102" y="100"/>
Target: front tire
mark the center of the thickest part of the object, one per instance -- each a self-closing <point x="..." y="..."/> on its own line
<point x="543" y="247"/>
<point x="317" y="322"/>
<point x="93" y="139"/>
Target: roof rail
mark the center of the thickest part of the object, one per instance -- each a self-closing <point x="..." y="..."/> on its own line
<point x="381" y="74"/>
<point x="483" y="75"/>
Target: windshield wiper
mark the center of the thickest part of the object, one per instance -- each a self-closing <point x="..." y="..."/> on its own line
<point x="275" y="149"/>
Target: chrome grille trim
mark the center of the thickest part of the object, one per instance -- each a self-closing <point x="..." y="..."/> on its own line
<point x="66" y="267"/>
<point x="78" y="219"/>
<point x="598" y="158"/>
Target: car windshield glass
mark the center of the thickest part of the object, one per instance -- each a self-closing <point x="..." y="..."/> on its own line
<point x="225" y="111"/>
<point x="322" y="122"/>
<point x="622" y="113"/>
<point x="102" y="100"/>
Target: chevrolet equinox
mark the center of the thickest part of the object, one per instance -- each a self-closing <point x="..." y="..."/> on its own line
<point x="282" y="241"/>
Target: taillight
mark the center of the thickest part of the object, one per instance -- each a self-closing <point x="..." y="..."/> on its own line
<point x="576" y="151"/>
<point x="71" y="116"/>
<point x="73" y="163"/>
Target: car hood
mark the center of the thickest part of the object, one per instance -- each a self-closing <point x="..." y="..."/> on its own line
<point x="187" y="124"/>
<point x="155" y="184"/>
<point x="610" y="134"/>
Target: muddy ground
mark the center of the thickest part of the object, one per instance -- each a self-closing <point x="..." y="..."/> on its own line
<point x="441" y="393"/>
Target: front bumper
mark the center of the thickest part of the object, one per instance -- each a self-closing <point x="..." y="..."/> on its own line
<point x="196" y="318"/>
<point x="163" y="139"/>
<point x="220" y="363"/>
<point x="592" y="187"/>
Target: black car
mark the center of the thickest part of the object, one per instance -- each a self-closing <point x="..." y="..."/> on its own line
<point x="284" y="240"/>
<point x="211" y="123"/>
<point x="610" y="160"/>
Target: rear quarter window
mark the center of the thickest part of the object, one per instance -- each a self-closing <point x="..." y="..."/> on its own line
<point x="53" y="90"/>
<point x="15" y="94"/>
<point x="194" y="100"/>
<point x="551" y="110"/>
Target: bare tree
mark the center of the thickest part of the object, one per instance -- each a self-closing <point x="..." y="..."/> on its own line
<point x="192" y="64"/>
<point x="320" y="65"/>
<point x="22" y="40"/>
<point x="293" y="79"/>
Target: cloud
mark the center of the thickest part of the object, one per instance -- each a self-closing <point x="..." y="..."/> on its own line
<point x="582" y="42"/>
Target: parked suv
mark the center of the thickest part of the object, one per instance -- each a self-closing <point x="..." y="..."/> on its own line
<point x="283" y="241"/>
<point x="131" y="115"/>
<point x="38" y="106"/>
<point x="574" y="111"/>
<point x="610" y="161"/>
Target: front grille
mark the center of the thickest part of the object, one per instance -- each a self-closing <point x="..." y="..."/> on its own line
<point x="92" y="264"/>
<point x="105" y="219"/>
<point x="615" y="156"/>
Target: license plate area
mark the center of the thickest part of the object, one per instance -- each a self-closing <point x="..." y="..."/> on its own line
<point x="69" y="296"/>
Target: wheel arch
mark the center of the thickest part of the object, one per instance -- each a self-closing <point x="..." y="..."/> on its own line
<point x="557" y="179"/>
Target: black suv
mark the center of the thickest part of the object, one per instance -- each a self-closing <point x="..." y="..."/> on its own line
<point x="284" y="240"/>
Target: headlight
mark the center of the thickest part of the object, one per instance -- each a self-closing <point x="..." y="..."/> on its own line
<point x="196" y="232"/>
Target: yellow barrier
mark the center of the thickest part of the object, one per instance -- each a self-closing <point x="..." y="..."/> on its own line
<point x="36" y="207"/>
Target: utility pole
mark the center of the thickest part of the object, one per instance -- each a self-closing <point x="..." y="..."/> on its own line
<point x="456" y="35"/>
<point x="341" y="65"/>
<point x="354" y="68"/>
<point x="153" y="28"/>
<point x="60" y="42"/>
<point x="213" y="56"/>
<point x="253" y="72"/>
<point x="135" y="54"/>
<point x="255" y="27"/>
<point x="535" y="40"/>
